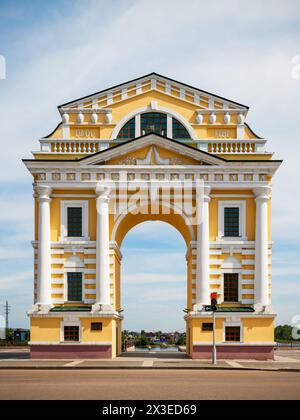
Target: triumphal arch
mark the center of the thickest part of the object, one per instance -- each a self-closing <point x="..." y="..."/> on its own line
<point x="152" y="148"/>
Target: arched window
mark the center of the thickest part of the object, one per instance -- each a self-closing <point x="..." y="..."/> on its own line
<point x="179" y="130"/>
<point x="128" y="130"/>
<point x="155" y="122"/>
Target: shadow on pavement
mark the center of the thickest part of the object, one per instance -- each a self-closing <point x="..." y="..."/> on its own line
<point x="20" y="355"/>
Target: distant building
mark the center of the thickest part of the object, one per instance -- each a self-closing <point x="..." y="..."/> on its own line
<point x="20" y="335"/>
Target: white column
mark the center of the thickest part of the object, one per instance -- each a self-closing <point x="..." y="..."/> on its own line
<point x="169" y="132"/>
<point x="261" y="248"/>
<point x="44" y="246"/>
<point x="138" y="125"/>
<point x="102" y="251"/>
<point x="202" y="276"/>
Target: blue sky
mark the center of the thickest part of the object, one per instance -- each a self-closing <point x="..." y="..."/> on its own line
<point x="60" y="50"/>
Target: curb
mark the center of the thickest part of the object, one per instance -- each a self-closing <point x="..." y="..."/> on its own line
<point x="147" y="368"/>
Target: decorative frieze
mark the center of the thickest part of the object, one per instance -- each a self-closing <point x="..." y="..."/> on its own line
<point x="70" y="176"/>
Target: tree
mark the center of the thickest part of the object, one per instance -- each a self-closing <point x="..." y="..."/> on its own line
<point x="283" y="333"/>
<point x="180" y="341"/>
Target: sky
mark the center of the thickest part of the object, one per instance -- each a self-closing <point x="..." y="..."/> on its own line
<point x="60" y="50"/>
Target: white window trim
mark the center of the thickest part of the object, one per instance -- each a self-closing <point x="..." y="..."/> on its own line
<point x="232" y="271"/>
<point x="64" y="324"/>
<point x="231" y="323"/>
<point x="64" y="220"/>
<point x="73" y="270"/>
<point x="242" y="220"/>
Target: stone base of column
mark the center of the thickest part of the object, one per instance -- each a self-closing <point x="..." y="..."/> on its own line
<point x="41" y="308"/>
<point x="99" y="307"/>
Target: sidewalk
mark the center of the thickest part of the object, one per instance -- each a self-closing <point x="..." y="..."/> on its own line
<point x="19" y="359"/>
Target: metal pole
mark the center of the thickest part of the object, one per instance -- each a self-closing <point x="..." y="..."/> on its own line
<point x="214" y="352"/>
<point x="7" y="309"/>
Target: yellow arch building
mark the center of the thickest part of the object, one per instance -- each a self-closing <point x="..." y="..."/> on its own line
<point x="152" y="148"/>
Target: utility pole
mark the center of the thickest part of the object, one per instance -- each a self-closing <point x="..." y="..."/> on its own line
<point x="7" y="311"/>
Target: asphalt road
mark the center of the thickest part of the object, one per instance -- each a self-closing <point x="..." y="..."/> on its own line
<point x="148" y="384"/>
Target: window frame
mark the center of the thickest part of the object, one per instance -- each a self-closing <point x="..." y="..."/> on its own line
<point x="242" y="220"/>
<point x="239" y="273"/>
<point x="232" y="214"/>
<point x="66" y="299"/>
<point x="162" y="117"/>
<point x="153" y="108"/>
<point x="75" y="323"/>
<point x="238" y="287"/>
<point x="73" y="270"/>
<point x="183" y="128"/>
<point x="64" y="220"/>
<point x="233" y="323"/>
<point x="133" y="128"/>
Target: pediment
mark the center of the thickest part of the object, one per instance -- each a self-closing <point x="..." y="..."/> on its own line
<point x="152" y="149"/>
<point x="149" y="83"/>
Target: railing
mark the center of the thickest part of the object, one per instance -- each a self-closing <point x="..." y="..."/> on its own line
<point x="287" y="344"/>
<point x="232" y="146"/>
<point x="89" y="146"/>
<point x="73" y="146"/>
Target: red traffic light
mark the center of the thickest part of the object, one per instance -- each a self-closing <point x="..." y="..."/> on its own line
<point x="213" y="301"/>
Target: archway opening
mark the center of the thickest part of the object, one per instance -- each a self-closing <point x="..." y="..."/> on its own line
<point x="154" y="287"/>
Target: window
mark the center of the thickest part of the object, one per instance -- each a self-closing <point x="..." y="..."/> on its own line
<point x="154" y="122"/>
<point x="96" y="326"/>
<point x="231" y="287"/>
<point x="179" y="131"/>
<point x="74" y="221"/>
<point x="207" y="326"/>
<point x="232" y="333"/>
<point x="74" y="287"/>
<point x="231" y="221"/>
<point x="71" y="333"/>
<point x="128" y="130"/>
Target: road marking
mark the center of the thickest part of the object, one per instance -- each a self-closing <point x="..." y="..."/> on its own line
<point x="147" y="363"/>
<point x="286" y="359"/>
<point x="233" y="364"/>
<point x="74" y="363"/>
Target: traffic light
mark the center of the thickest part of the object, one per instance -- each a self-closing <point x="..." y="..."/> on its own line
<point x="213" y="301"/>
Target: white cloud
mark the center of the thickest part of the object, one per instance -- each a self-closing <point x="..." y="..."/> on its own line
<point x="15" y="280"/>
<point x="287" y="271"/>
<point x="17" y="209"/>
<point x="15" y="252"/>
<point x="152" y="278"/>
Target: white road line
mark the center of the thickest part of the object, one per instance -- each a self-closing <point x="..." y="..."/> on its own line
<point x="286" y="359"/>
<point x="233" y="364"/>
<point x="74" y="363"/>
<point x="147" y="363"/>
